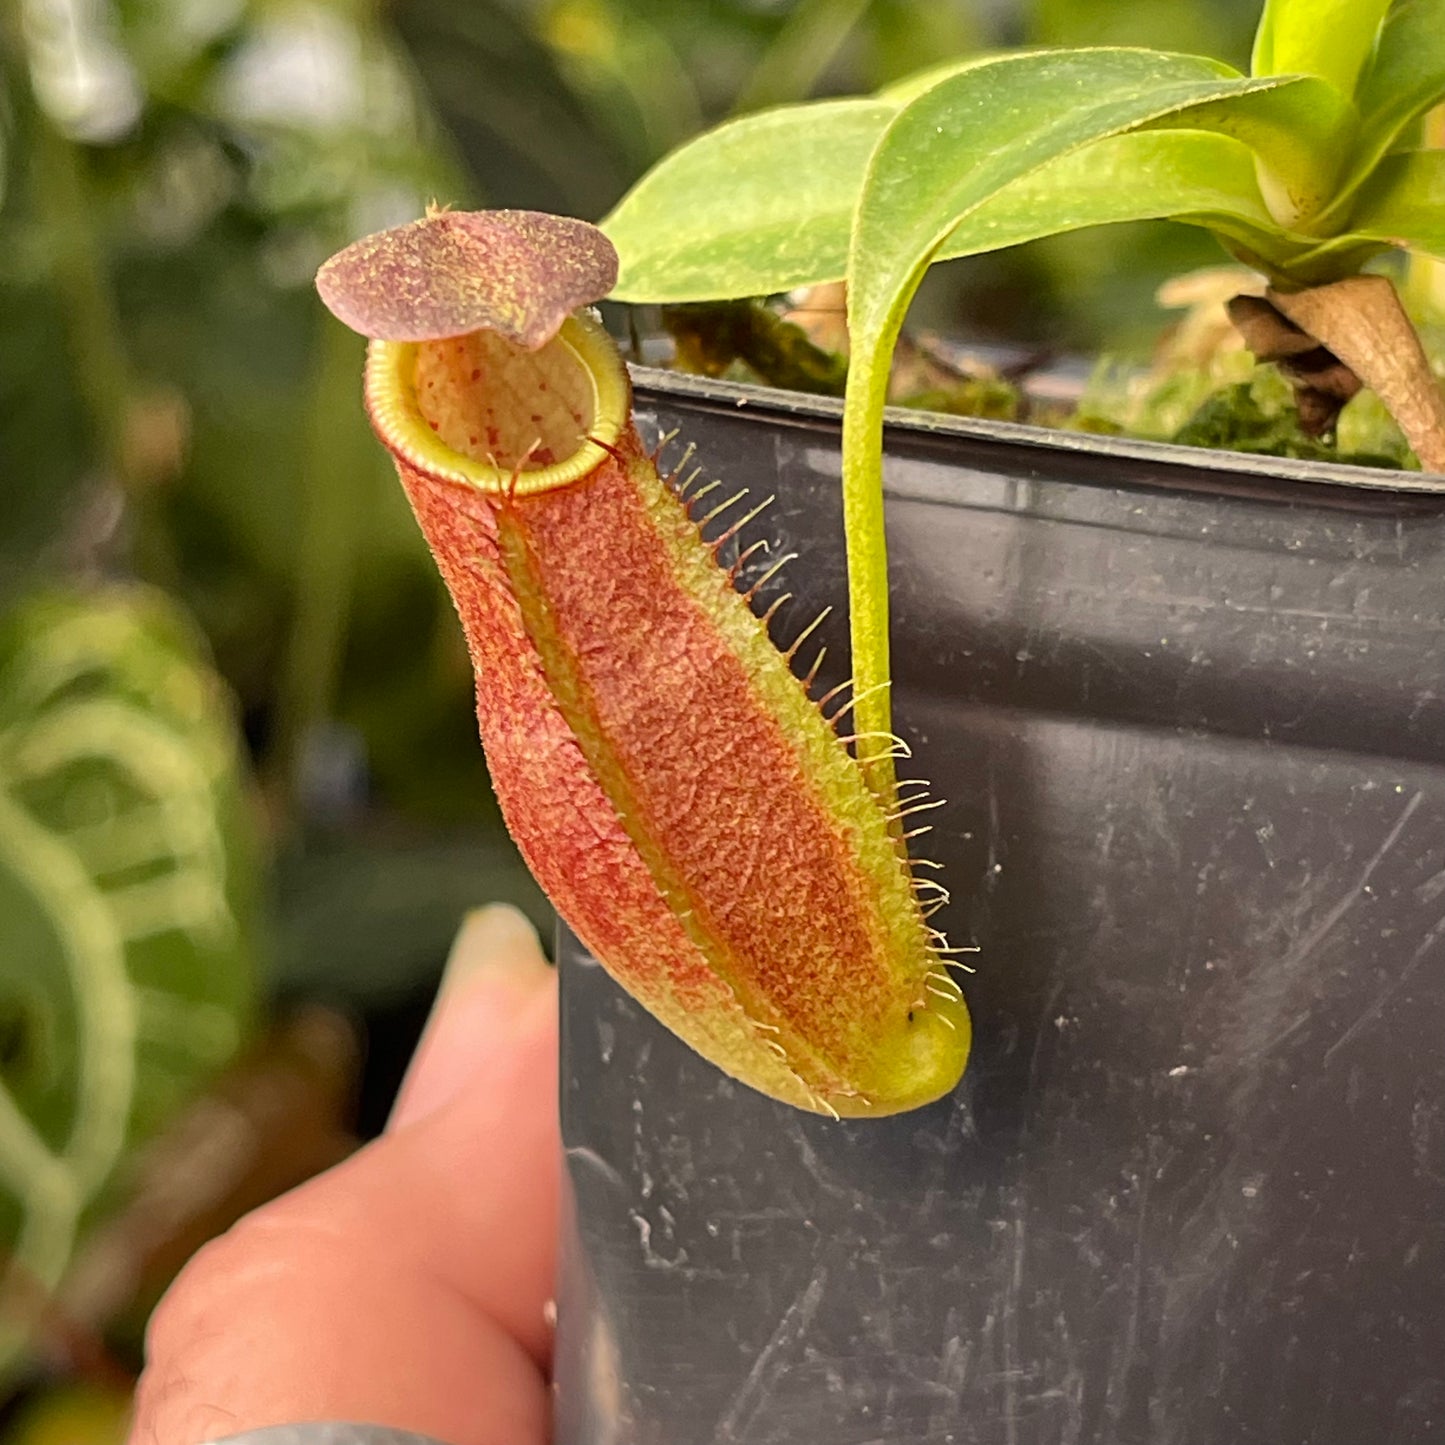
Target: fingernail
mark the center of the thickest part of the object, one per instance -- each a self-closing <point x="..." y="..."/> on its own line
<point x="497" y="940"/>
<point x="495" y="971"/>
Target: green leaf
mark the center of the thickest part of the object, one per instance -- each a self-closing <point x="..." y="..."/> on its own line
<point x="1400" y="207"/>
<point x="753" y="207"/>
<point x="1301" y="133"/>
<point x="1403" y="203"/>
<point x="910" y="87"/>
<point x="1301" y="129"/>
<point x="1405" y="79"/>
<point x="953" y="149"/>
<point x="956" y="146"/>
<point x="763" y="233"/>
<point x="961" y="141"/>
<point x="1188" y="176"/>
<point x="127" y="901"/>
<point x="1328" y="38"/>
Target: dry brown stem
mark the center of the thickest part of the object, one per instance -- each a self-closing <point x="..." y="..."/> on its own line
<point x="1322" y="382"/>
<point x="1360" y="320"/>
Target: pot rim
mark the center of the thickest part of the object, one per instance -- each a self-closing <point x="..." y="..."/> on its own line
<point x="1238" y="467"/>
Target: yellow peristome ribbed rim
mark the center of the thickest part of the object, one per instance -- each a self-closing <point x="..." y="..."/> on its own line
<point x="391" y="400"/>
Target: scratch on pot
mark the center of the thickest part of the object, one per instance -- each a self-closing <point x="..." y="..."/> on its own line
<point x="1431" y="888"/>
<point x="1391" y="838"/>
<point x="771" y="1362"/>
<point x="953" y="1364"/>
<point x="1071" y="1387"/>
<point x="1423" y="1118"/>
<point x="1013" y="1292"/>
<point x="1267" y="1031"/>
<point x="1317" y="935"/>
<point x="1122" y="1364"/>
<point x="817" y="1170"/>
<point x="992" y="867"/>
<point x="1047" y="1012"/>
<point x="1374" y="1010"/>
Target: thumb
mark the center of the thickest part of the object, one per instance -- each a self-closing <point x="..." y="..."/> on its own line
<point x="407" y="1286"/>
<point x="493" y="972"/>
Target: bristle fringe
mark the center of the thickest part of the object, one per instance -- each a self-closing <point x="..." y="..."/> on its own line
<point x="760" y="545"/>
<point x="674" y="477"/>
<point x="931" y="885"/>
<point x="769" y="575"/>
<point x="691" y="499"/>
<point x="737" y="526"/>
<point x="767" y="618"/>
<point x="899" y="749"/>
<point x="946" y="981"/>
<point x="803" y="636"/>
<point x="857" y="697"/>
<point x="663" y="442"/>
<point x="912" y="806"/>
<point x="721" y="507"/>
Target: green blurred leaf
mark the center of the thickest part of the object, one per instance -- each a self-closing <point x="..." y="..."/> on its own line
<point x="1200" y="27"/>
<point x="812" y="35"/>
<point x="529" y="139"/>
<point x="899" y="37"/>
<point x="45" y="436"/>
<point x="1329" y="38"/>
<point x="127" y="904"/>
<point x="177" y="45"/>
<point x="71" y="1414"/>
<point x="629" y="73"/>
<point x="364" y="921"/>
<point x="1405" y="79"/>
<point x="1403" y="203"/>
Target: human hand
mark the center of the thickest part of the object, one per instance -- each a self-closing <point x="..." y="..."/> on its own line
<point x="409" y="1286"/>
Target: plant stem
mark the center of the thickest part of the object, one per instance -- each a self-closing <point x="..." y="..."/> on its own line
<point x="863" y="526"/>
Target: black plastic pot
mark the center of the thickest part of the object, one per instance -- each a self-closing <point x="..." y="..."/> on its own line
<point x="1189" y="710"/>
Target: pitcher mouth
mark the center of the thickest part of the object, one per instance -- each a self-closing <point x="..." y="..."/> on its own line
<point x="483" y="411"/>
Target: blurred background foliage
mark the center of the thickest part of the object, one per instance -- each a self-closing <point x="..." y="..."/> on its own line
<point x="206" y="563"/>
